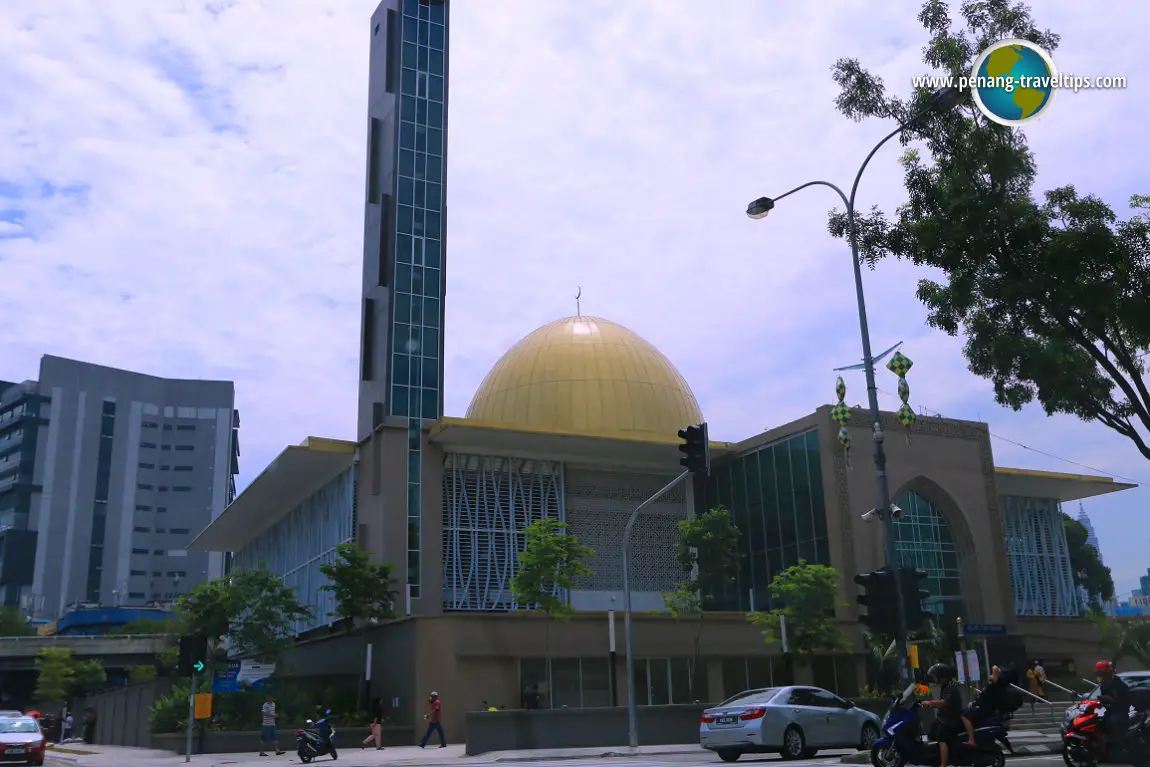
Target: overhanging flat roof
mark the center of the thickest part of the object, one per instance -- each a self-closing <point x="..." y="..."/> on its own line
<point x="466" y="435"/>
<point x="294" y="475"/>
<point x="1053" y="484"/>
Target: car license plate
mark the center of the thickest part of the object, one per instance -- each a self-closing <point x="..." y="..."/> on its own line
<point x="727" y="719"/>
<point x="13" y="751"/>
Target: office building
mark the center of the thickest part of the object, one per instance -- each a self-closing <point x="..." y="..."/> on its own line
<point x="578" y="422"/>
<point x="105" y="477"/>
<point x="404" y="233"/>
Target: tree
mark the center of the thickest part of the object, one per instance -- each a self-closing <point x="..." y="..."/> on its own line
<point x="14" y="624"/>
<point x="1089" y="572"/>
<point x="807" y="595"/>
<point x="707" y="550"/>
<point x="61" y="675"/>
<point x="883" y="654"/>
<point x="1052" y="295"/>
<point x="550" y="563"/>
<point x="1123" y="639"/>
<point x="55" y="675"/>
<point x="363" y="590"/>
<point x="251" y="608"/>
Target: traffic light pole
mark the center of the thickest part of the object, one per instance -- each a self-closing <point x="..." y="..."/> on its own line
<point x="191" y="719"/>
<point x="632" y="705"/>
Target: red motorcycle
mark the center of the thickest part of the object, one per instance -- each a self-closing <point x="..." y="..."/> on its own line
<point x="1084" y="743"/>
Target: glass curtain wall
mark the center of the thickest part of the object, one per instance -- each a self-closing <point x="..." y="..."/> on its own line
<point x="775" y="495"/>
<point x="923" y="541"/>
<point x="586" y="682"/>
<point x="418" y="290"/>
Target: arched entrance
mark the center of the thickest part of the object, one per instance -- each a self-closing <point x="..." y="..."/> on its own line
<point x="923" y="540"/>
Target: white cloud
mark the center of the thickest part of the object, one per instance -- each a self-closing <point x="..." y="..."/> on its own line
<point x="599" y="144"/>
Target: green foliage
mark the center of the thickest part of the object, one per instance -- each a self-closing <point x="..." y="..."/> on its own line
<point x="935" y="645"/>
<point x="1089" y="572"/>
<point x="60" y="675"/>
<point x="55" y="675"/>
<point x="708" y="548"/>
<point x="149" y="627"/>
<point x="252" y="608"/>
<point x="808" y="595"/>
<point x="1053" y="295"/>
<point x="882" y="661"/>
<point x="364" y="590"/>
<point x="684" y="601"/>
<point x="14" y="624"/>
<point x="1123" y="639"/>
<point x="296" y="701"/>
<point x="551" y="562"/>
<point x="138" y="674"/>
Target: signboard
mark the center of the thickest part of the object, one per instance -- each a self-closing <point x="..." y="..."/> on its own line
<point x="971" y="665"/>
<point x="986" y="629"/>
<point x="203" y="705"/>
<point x="243" y="675"/>
<point x="912" y="651"/>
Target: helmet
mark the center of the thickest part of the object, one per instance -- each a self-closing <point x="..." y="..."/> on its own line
<point x="940" y="671"/>
<point x="1103" y="665"/>
<point x="434" y="694"/>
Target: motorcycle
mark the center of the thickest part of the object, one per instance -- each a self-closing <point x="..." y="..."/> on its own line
<point x="901" y="742"/>
<point x="1084" y="743"/>
<point x="311" y="743"/>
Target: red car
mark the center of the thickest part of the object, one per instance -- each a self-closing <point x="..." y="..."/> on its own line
<point x="21" y="741"/>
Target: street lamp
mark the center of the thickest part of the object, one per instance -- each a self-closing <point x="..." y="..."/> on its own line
<point x="942" y="100"/>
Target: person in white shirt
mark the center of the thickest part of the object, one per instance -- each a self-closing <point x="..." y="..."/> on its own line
<point x="67" y="733"/>
<point x="268" y="726"/>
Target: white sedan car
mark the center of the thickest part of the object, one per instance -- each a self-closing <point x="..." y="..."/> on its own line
<point x="793" y="721"/>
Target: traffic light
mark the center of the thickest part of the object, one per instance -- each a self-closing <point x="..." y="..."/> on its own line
<point x="193" y="655"/>
<point x="696" y="449"/>
<point x="878" y="597"/>
<point x="912" y="595"/>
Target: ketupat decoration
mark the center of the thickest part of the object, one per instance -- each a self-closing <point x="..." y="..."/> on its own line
<point x="841" y="414"/>
<point x="900" y="365"/>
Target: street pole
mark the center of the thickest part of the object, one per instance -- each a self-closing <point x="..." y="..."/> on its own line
<point x="632" y="706"/>
<point x="943" y="99"/>
<point x="614" y="664"/>
<point x="191" y="719"/>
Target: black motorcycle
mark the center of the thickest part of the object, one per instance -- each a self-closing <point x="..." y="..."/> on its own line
<point x="311" y="743"/>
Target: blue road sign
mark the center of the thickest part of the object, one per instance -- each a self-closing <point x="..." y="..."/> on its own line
<point x="985" y="629"/>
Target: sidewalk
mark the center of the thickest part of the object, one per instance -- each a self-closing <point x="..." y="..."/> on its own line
<point x="395" y="756"/>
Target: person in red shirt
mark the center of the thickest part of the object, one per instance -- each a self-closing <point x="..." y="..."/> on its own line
<point x="433" y="717"/>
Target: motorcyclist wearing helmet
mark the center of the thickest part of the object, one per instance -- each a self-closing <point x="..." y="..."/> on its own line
<point x="948" y="719"/>
<point x="1115" y="695"/>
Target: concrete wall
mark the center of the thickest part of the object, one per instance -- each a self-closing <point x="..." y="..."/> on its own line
<point x="122" y="716"/>
<point x="579" y="728"/>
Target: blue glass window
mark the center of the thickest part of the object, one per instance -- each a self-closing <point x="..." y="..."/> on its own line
<point x="431" y="247"/>
<point x="403" y="248"/>
<point x="432" y="224"/>
<point x="422" y="59"/>
<point x="435" y="62"/>
<point x="434" y="141"/>
<point x="430" y="403"/>
<point x="407" y="136"/>
<point x="410" y="56"/>
<point x="403" y="278"/>
<point x="406" y="162"/>
<point x="420" y="194"/>
<point x="408" y="109"/>
<point x="435" y="38"/>
<point x="410" y="28"/>
<point x="407" y="81"/>
<point x="430" y="373"/>
<point x="435" y="88"/>
<point x="438" y="13"/>
<point x="431" y="312"/>
<point x="401" y="368"/>
<point x="407" y="192"/>
<point x="399" y="399"/>
<point x="434" y="168"/>
<point x="400" y="334"/>
<point x="434" y="113"/>
<point x="431" y="341"/>
<point x="402" y="307"/>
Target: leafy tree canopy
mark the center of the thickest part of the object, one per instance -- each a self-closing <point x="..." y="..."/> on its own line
<point x="363" y="589"/>
<point x="551" y="562"/>
<point x="708" y="548"/>
<point x="1089" y="572"/>
<point x="252" y="609"/>
<point x="14" y="624"/>
<point x="1052" y="294"/>
<point x="61" y="675"/>
<point x="807" y="595"/>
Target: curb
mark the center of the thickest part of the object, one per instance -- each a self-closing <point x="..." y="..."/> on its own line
<point x="596" y="755"/>
<point x="1045" y="746"/>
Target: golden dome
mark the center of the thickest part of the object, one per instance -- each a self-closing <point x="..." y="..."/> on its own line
<point x="587" y="375"/>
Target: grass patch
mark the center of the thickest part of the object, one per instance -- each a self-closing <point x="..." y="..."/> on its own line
<point x="75" y="751"/>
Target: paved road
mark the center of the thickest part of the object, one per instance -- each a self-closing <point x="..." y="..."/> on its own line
<point x="677" y="760"/>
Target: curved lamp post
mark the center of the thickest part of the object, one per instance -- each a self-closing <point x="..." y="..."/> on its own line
<point x="942" y="100"/>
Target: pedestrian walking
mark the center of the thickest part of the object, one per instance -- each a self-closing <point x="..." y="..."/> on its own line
<point x="67" y="733"/>
<point x="434" y="719"/>
<point x="268" y="727"/>
<point x="1036" y="679"/>
<point x="376" y="733"/>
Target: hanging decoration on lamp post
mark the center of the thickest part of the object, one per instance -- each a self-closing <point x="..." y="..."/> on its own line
<point x="900" y="365"/>
<point x="841" y="414"/>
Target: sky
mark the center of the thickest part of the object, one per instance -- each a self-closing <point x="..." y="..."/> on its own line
<point x="181" y="193"/>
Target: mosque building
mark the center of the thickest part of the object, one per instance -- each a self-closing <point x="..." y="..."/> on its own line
<point x="578" y="422"/>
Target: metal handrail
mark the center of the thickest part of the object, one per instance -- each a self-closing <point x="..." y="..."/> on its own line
<point x="1064" y="689"/>
<point x="92" y="637"/>
<point x="1038" y="698"/>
